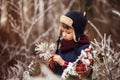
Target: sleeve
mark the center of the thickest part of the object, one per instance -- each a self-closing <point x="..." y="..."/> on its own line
<point x="65" y="64"/>
<point x="52" y="66"/>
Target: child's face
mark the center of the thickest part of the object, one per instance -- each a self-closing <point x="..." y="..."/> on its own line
<point x="67" y="34"/>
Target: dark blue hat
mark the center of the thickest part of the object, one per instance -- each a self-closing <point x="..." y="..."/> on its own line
<point x="79" y="22"/>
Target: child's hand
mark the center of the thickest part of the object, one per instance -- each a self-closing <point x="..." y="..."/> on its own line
<point x="58" y="59"/>
<point x="51" y="57"/>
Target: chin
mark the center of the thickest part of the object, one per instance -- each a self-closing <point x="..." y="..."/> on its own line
<point x="66" y="39"/>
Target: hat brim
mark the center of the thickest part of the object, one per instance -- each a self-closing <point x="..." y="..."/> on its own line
<point x="66" y="20"/>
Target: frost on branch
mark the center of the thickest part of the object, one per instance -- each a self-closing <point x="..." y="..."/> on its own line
<point x="48" y="75"/>
<point x="107" y="60"/>
<point x="71" y="68"/>
<point x="44" y="49"/>
<point x="37" y="70"/>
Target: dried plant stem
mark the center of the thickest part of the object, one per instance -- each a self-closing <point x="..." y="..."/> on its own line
<point x="92" y="25"/>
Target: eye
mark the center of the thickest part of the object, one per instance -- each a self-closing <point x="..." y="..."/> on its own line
<point x="62" y="30"/>
<point x="68" y="32"/>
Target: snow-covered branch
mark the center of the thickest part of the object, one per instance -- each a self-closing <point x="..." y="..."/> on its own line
<point x="71" y="68"/>
<point x="105" y="58"/>
<point x="116" y="12"/>
<point x="44" y="49"/>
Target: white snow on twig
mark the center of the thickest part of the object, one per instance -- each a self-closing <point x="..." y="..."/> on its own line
<point x="44" y="49"/>
<point x="116" y="12"/>
<point x="71" y="68"/>
<point x="44" y="69"/>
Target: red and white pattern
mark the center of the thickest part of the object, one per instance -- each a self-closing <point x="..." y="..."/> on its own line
<point x="81" y="65"/>
<point x="86" y="61"/>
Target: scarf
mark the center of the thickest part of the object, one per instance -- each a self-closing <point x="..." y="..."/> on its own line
<point x="67" y="45"/>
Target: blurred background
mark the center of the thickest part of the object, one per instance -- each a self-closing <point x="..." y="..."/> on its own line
<point x="25" y="22"/>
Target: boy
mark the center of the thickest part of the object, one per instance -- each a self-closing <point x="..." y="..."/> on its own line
<point x="72" y="40"/>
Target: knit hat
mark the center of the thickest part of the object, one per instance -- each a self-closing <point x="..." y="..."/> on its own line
<point x="76" y="20"/>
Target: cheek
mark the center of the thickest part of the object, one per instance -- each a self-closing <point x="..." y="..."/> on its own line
<point x="71" y="36"/>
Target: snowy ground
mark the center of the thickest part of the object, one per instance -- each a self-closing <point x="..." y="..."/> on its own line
<point x="48" y="75"/>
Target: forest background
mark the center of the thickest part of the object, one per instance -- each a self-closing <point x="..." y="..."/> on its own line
<point x="25" y="22"/>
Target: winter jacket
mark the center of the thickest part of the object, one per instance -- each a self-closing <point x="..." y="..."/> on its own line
<point x="69" y="53"/>
<point x="69" y="56"/>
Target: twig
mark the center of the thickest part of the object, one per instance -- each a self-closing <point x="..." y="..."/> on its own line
<point x="95" y="28"/>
